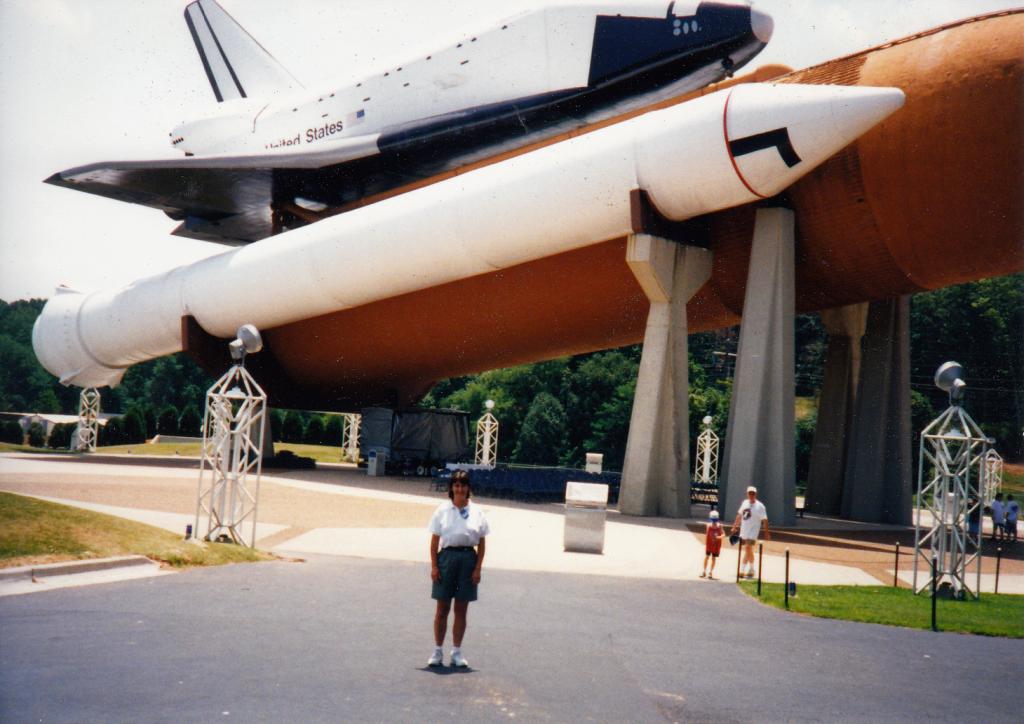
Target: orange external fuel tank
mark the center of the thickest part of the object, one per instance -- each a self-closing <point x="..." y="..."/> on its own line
<point x="933" y="196"/>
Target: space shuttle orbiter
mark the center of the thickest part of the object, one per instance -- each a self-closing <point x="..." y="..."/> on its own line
<point x="275" y="155"/>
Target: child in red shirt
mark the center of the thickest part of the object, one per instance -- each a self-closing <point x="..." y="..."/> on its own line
<point x="712" y="545"/>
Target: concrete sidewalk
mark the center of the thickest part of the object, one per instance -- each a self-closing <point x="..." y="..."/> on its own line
<point x="525" y="537"/>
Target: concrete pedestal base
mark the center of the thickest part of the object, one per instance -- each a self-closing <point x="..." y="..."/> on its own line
<point x="759" y="442"/>
<point x="845" y="326"/>
<point x="877" y="483"/>
<point x="655" y="474"/>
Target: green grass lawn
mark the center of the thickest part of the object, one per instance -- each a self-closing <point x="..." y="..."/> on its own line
<point x="320" y="453"/>
<point x="35" y="531"/>
<point x="804" y="407"/>
<point x="992" y="615"/>
<point x="1013" y="480"/>
<point x="12" y="447"/>
<point x="187" y="449"/>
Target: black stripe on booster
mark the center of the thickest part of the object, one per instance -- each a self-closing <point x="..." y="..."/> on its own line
<point x="778" y="139"/>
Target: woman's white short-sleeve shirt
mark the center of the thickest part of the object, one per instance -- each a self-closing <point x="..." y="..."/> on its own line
<point x="459" y="527"/>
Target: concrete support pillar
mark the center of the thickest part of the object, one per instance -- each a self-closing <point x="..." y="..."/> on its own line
<point x="877" y="486"/>
<point x="845" y="326"/>
<point x="759" y="442"/>
<point x="656" y="471"/>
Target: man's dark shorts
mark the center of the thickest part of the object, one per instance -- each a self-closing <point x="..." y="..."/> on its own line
<point x="456" y="566"/>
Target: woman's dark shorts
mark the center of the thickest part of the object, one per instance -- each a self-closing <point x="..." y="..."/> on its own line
<point x="456" y="566"/>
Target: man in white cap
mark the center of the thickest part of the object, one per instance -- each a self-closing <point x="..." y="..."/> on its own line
<point x="748" y="521"/>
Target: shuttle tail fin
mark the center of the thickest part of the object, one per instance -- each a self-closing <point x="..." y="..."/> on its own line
<point x="236" y="65"/>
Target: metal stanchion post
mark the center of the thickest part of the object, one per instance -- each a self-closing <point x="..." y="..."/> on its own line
<point x="739" y="559"/>
<point x="896" y="568"/>
<point x="935" y="565"/>
<point x="787" y="578"/>
<point x="760" y="551"/>
<point x="999" y="559"/>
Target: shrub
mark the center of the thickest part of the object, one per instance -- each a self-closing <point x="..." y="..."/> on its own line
<point x="315" y="431"/>
<point x="36" y="435"/>
<point x="113" y="432"/>
<point x="10" y="431"/>
<point x="276" y="424"/>
<point x="190" y="423"/>
<point x="60" y="435"/>
<point x="134" y="426"/>
<point x="332" y="430"/>
<point x="167" y="422"/>
<point x="293" y="429"/>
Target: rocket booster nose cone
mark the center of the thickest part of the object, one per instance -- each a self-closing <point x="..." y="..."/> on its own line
<point x="762" y="25"/>
<point x="777" y="133"/>
<point x="59" y="348"/>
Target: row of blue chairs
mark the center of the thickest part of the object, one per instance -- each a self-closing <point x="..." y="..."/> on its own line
<point x="534" y="484"/>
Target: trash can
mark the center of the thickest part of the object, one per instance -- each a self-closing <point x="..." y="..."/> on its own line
<point x="377" y="463"/>
<point x="586" y="507"/>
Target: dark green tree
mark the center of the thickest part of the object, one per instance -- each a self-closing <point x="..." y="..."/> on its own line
<point x="36" y="435"/>
<point x="10" y="431"/>
<point x="332" y="430"/>
<point x="149" y="418"/>
<point x="60" y="435"/>
<point x="314" y="433"/>
<point x="191" y="422"/>
<point x="592" y="394"/>
<point x="804" y="439"/>
<point x="134" y="426"/>
<point x="541" y="439"/>
<point x="112" y="433"/>
<point x="46" y="401"/>
<point x="293" y="428"/>
<point x="609" y="427"/>
<point x="167" y="422"/>
<point x="276" y="424"/>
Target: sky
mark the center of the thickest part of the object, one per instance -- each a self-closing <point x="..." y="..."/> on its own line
<point x="106" y="80"/>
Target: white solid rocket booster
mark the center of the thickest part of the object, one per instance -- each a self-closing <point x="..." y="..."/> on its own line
<point x="718" y="151"/>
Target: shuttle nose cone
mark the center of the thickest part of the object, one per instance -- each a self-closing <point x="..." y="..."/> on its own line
<point x="761" y="24"/>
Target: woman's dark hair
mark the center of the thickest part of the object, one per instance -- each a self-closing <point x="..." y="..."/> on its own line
<point x="459" y="476"/>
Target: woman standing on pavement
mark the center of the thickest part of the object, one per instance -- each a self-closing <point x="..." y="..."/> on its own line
<point x="457" y="544"/>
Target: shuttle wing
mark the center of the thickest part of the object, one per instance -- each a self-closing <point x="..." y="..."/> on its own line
<point x="218" y="198"/>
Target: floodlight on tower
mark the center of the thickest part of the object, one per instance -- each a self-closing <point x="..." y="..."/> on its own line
<point x="950" y="492"/>
<point x="233" y="427"/>
<point x="706" y="470"/>
<point x="487" y="437"/>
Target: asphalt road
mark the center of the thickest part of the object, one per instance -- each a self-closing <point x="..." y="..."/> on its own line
<point x="345" y="639"/>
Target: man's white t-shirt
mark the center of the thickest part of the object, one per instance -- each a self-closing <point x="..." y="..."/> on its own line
<point x="750" y="519"/>
<point x="456" y="529"/>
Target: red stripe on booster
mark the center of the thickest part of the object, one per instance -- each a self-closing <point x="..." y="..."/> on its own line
<point x="732" y="160"/>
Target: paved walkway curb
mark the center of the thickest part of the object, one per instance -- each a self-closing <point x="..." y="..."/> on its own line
<point x="66" y="568"/>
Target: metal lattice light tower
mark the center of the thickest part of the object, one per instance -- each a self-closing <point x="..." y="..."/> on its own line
<point x="487" y="437"/>
<point x="350" y="422"/>
<point x="993" y="477"/>
<point x="953" y="452"/>
<point x="88" y="428"/>
<point x="706" y="468"/>
<point x="229" y="474"/>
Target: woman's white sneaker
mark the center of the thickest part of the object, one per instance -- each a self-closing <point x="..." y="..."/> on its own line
<point x="435" y="658"/>
<point x="458" y="660"/>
